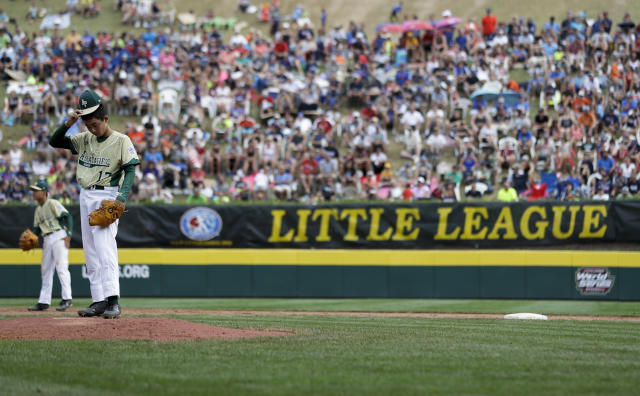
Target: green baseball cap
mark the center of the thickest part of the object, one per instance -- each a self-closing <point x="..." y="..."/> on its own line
<point x="41" y="185"/>
<point x="89" y="102"/>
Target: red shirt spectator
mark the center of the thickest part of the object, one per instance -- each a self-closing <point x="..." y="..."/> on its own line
<point x="281" y="48"/>
<point x="537" y="191"/>
<point x="489" y="23"/>
<point x="325" y="125"/>
<point x="309" y="166"/>
<point x="407" y="194"/>
<point x="136" y="136"/>
<point x="197" y="175"/>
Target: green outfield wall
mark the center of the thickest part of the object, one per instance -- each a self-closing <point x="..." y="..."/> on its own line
<point x="523" y="274"/>
<point x="425" y="250"/>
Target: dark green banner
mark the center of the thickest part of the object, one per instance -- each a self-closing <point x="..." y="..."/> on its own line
<point x="372" y="226"/>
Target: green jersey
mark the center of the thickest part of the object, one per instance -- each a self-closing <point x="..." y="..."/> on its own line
<point x="46" y="216"/>
<point x="100" y="161"/>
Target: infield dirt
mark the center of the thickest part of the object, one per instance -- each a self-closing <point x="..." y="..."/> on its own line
<point x="51" y="325"/>
<point x="46" y="327"/>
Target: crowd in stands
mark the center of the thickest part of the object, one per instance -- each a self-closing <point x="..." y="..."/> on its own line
<point x="311" y="112"/>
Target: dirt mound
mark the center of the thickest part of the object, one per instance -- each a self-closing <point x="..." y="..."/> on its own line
<point x="159" y="329"/>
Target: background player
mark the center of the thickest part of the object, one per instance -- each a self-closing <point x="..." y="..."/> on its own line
<point x="106" y="169"/>
<point x="55" y="224"/>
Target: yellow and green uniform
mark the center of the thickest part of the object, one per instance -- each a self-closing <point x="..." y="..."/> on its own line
<point x="102" y="161"/>
<point x="53" y="221"/>
<point x="52" y="216"/>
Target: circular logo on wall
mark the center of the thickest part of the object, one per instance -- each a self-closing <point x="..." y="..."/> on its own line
<point x="201" y="224"/>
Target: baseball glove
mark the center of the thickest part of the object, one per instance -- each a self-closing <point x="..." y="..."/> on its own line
<point x="28" y="240"/>
<point x="107" y="213"/>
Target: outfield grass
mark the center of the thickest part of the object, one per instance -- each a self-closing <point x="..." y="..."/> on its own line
<point x="341" y="356"/>
<point x="551" y="307"/>
<point x="345" y="355"/>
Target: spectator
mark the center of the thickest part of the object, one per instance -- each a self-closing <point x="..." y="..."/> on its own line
<point x="283" y="183"/>
<point x="506" y="193"/>
<point x="308" y="170"/>
<point x="489" y="23"/>
<point x="195" y="198"/>
<point x="148" y="188"/>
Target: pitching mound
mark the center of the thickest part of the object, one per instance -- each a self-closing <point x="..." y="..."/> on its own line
<point x="158" y="329"/>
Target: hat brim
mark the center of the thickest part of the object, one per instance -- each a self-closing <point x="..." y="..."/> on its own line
<point x="88" y="110"/>
<point x="36" y="188"/>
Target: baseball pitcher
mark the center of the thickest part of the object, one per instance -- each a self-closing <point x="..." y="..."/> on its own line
<point x="106" y="169"/>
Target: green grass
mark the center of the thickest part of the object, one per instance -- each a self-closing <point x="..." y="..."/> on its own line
<point x="557" y="307"/>
<point x="345" y="355"/>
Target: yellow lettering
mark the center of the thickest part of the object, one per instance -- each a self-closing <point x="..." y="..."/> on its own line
<point x="504" y="222"/>
<point x="441" y="235"/>
<point x="557" y="221"/>
<point x="472" y="219"/>
<point x="303" y="219"/>
<point x="374" y="231"/>
<point x="404" y="221"/>
<point x="324" y="215"/>
<point x="353" y="215"/>
<point x="541" y="226"/>
<point x="592" y="216"/>
<point x="276" y="229"/>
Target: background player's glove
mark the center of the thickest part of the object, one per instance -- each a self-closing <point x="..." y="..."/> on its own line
<point x="28" y="240"/>
<point x="107" y="213"/>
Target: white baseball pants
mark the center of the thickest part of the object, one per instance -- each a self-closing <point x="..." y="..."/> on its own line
<point x="99" y="245"/>
<point x="55" y="255"/>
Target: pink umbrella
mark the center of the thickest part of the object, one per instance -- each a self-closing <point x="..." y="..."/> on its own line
<point x="416" y="25"/>
<point x="450" y="21"/>
<point x="392" y="28"/>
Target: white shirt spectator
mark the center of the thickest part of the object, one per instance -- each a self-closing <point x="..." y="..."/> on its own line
<point x="601" y="197"/>
<point x="261" y="181"/>
<point x="362" y="139"/>
<point x="435" y="113"/>
<point x="412" y="118"/>
<point x="123" y="91"/>
<point x="378" y="158"/>
<point x="15" y="156"/>
<point x="42" y="42"/>
<point x="500" y="39"/>
<point x="412" y="140"/>
<point x="41" y="168"/>
<point x="238" y="40"/>
<point x="489" y="134"/>
<point x="437" y="140"/>
<point x="303" y="123"/>
<point x="627" y="169"/>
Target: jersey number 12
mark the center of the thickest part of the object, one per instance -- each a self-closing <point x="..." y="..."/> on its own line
<point x="106" y="174"/>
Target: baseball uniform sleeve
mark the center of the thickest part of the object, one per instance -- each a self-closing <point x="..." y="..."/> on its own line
<point x="59" y="140"/>
<point x="129" y="161"/>
<point x="66" y="222"/>
<point x="57" y="208"/>
<point x="36" y="223"/>
<point x="129" y="155"/>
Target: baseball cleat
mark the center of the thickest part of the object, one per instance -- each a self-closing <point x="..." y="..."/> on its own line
<point x="112" y="312"/>
<point x="64" y="304"/>
<point x="39" y="307"/>
<point x="95" y="309"/>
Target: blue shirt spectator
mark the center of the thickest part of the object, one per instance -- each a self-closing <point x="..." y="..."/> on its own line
<point x="153" y="155"/>
<point x="605" y="162"/>
<point x="524" y="135"/>
<point x="402" y="76"/>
